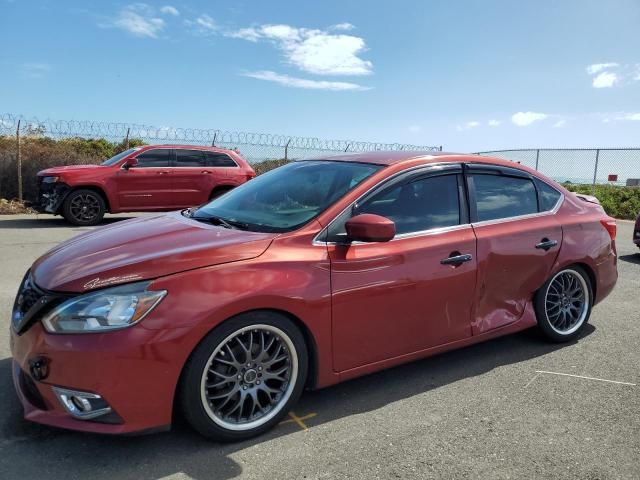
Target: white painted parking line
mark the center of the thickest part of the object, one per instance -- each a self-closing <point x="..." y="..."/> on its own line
<point x="580" y="376"/>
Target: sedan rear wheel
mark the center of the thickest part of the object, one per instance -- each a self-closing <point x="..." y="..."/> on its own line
<point x="242" y="379"/>
<point x="563" y="304"/>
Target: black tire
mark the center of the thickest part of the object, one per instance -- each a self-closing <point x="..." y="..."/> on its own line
<point x="84" y="207"/>
<point x="204" y="404"/>
<point x="560" y="314"/>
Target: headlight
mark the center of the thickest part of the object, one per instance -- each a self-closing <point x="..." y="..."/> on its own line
<point x="104" y="310"/>
<point x="50" y="179"/>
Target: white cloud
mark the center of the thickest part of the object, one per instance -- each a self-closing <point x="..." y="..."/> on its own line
<point x="598" y="67"/>
<point x="206" y="23"/>
<point x="35" y="70"/>
<point x="415" y="128"/>
<point x="170" y="10"/>
<point x="295" y="82"/>
<point x="494" y="123"/>
<point x="468" y="125"/>
<point x="138" y="19"/>
<point x="605" y="80"/>
<point x="523" y="119"/>
<point x="314" y="51"/>
<point x="635" y="117"/>
<point x="560" y="123"/>
<point x="342" y="26"/>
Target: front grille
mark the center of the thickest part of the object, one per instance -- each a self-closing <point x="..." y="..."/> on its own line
<point x="28" y="296"/>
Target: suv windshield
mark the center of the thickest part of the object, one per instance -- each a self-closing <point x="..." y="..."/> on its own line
<point x="116" y="158"/>
<point x="286" y="198"/>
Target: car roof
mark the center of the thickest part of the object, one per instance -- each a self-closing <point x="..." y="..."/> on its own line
<point x="186" y="147"/>
<point x="393" y="157"/>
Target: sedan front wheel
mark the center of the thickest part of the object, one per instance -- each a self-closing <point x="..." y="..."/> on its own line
<point x="244" y="376"/>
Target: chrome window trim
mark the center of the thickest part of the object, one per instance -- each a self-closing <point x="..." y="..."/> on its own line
<point x="553" y="211"/>
<point x="443" y="167"/>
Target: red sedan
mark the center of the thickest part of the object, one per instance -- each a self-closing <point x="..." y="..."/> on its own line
<point x="141" y="179"/>
<point x="314" y="273"/>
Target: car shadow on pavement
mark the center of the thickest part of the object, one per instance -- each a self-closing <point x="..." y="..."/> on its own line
<point x="48" y="221"/>
<point x="631" y="258"/>
<point x="33" y="451"/>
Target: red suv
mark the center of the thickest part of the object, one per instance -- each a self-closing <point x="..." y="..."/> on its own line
<point x="149" y="178"/>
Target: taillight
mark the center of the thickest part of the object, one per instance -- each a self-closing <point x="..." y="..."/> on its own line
<point x="610" y="226"/>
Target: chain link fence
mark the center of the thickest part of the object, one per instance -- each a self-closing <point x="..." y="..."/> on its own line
<point x="618" y="166"/>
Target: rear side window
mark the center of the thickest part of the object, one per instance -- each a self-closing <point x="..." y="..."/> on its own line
<point x="219" y="160"/>
<point x="154" y="158"/>
<point x="547" y="196"/>
<point x="189" y="158"/>
<point x="499" y="196"/>
<point x="422" y="204"/>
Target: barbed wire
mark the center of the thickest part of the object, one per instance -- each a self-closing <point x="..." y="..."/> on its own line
<point x="151" y="134"/>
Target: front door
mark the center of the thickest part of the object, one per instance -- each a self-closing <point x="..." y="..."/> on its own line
<point x="402" y="296"/>
<point x="147" y="185"/>
<point x="518" y="242"/>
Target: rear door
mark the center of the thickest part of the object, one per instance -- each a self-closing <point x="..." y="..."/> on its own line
<point x="193" y="180"/>
<point x="147" y="185"/>
<point x="518" y="237"/>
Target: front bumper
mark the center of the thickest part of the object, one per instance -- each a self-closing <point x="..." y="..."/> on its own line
<point x="134" y="370"/>
<point x="50" y="196"/>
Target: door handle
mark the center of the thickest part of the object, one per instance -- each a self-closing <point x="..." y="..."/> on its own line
<point x="456" y="258"/>
<point x="545" y="244"/>
<point x="205" y="171"/>
<point x="164" y="172"/>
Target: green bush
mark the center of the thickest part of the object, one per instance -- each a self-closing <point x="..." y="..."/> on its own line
<point x="619" y="202"/>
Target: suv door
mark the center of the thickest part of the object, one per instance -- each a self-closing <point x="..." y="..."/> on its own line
<point x="147" y="185"/>
<point x="394" y="298"/>
<point x="193" y="179"/>
<point x="518" y="241"/>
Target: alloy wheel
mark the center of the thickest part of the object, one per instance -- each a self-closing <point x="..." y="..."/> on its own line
<point x="567" y="302"/>
<point x="249" y="377"/>
<point x="85" y="207"/>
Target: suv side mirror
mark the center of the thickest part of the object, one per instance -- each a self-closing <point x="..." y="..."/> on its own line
<point x="368" y="227"/>
<point x="132" y="162"/>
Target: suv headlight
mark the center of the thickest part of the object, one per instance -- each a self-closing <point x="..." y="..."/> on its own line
<point x="103" y="310"/>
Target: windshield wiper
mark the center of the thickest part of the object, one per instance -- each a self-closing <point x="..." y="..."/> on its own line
<point x="231" y="224"/>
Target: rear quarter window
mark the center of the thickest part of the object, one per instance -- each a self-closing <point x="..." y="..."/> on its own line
<point x="547" y="196"/>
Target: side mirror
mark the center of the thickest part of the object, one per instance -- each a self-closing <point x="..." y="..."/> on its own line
<point x="368" y="227"/>
<point x="132" y="162"/>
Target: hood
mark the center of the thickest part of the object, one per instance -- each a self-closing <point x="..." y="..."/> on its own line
<point x="141" y="249"/>
<point x="65" y="169"/>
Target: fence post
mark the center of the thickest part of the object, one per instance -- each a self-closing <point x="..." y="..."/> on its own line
<point x="440" y="147"/>
<point x="126" y="140"/>
<point x="348" y="145"/>
<point x="537" y="158"/>
<point x="286" y="151"/>
<point x="19" y="162"/>
<point x="213" y="143"/>
<point x="595" y="169"/>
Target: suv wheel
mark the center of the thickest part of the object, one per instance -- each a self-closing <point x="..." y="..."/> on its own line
<point x="244" y="376"/>
<point x="563" y="304"/>
<point x="84" y="207"/>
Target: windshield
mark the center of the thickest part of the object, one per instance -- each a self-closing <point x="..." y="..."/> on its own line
<point x="116" y="158"/>
<point x="288" y="197"/>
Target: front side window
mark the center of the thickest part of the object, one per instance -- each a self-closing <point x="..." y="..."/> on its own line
<point x="418" y="205"/>
<point x="189" y="158"/>
<point x="116" y="158"/>
<point x="286" y="198"/>
<point x="499" y="196"/>
<point x="154" y="158"/>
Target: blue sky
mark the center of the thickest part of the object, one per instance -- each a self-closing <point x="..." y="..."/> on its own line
<point x="469" y="75"/>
